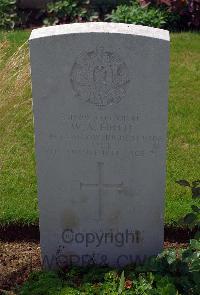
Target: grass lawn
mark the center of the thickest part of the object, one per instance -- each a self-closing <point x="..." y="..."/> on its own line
<point x="18" y="191"/>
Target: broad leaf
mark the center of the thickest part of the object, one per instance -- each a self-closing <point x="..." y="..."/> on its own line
<point x="196" y="192"/>
<point x="196" y="183"/>
<point x="195" y="208"/>
<point x="190" y="218"/>
<point x="197" y="235"/>
<point x="183" y="182"/>
<point x="195" y="244"/>
<point x="171" y="257"/>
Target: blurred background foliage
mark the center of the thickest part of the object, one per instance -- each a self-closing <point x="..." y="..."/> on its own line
<point x="175" y="15"/>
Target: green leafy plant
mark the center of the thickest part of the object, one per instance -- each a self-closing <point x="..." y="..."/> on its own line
<point x="121" y="283"/>
<point x="65" y="11"/>
<point x="8" y="14"/>
<point x="42" y="283"/>
<point x="136" y="14"/>
<point x="192" y="220"/>
<point x="194" y="186"/>
<point x="173" y="272"/>
<point x="186" y="12"/>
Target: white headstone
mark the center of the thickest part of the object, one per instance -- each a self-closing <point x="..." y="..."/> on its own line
<point x="100" y="116"/>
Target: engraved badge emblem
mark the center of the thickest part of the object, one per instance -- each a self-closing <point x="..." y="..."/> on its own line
<point x="99" y="77"/>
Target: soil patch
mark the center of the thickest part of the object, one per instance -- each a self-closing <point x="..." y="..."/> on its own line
<point x="11" y="233"/>
<point x="17" y="261"/>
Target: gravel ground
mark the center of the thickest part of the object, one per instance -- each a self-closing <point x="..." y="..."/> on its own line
<point x="17" y="261"/>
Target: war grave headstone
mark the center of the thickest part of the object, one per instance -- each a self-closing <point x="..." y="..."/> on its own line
<point x="100" y="115"/>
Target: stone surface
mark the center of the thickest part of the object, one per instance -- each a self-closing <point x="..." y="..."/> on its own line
<point x="100" y="116"/>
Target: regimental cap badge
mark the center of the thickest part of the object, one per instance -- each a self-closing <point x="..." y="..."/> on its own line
<point x="99" y="77"/>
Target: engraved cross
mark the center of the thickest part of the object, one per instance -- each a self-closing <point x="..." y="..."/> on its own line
<point x="101" y="186"/>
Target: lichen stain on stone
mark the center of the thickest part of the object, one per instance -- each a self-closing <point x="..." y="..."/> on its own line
<point x="69" y="220"/>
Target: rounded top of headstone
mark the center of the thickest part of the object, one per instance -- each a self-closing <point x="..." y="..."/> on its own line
<point x="100" y="27"/>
